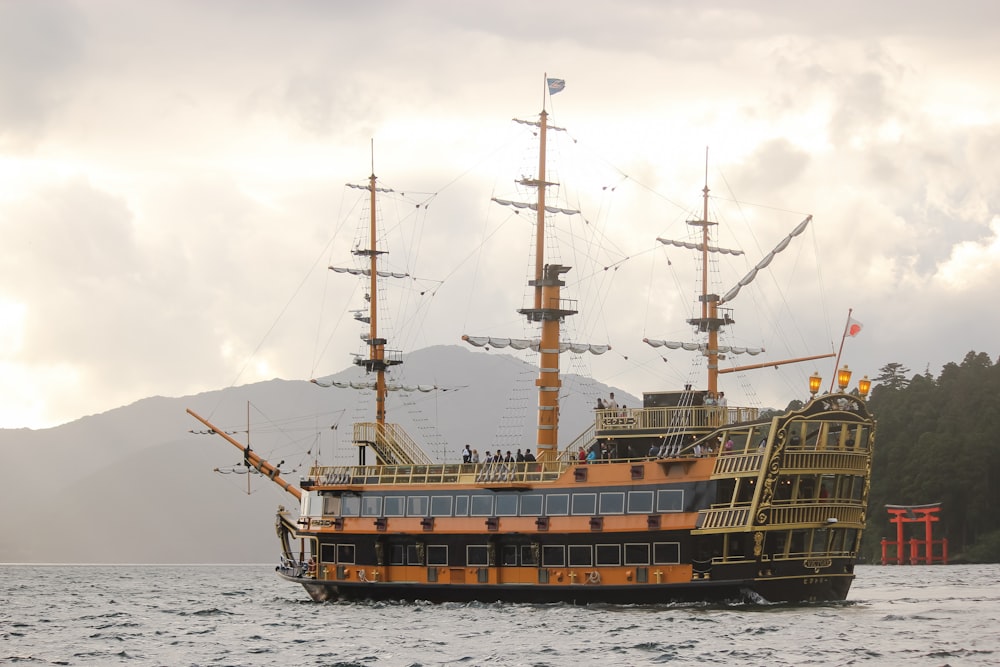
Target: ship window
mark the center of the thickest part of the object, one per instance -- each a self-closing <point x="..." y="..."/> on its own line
<point x="477" y="555"/>
<point x="557" y="504"/>
<point x="670" y="500"/>
<point x="482" y="506"/>
<point x="328" y="553"/>
<point x="581" y="555"/>
<point x="637" y="554"/>
<point x="371" y="506"/>
<point x="394" y="505"/>
<point x="507" y="505"/>
<point x="331" y="505"/>
<point x="554" y="556"/>
<point x="345" y="554"/>
<point x="441" y="505"/>
<point x="350" y="505"/>
<point x="397" y="554"/>
<point x="666" y="553"/>
<point x="640" y="502"/>
<point x="612" y="503"/>
<point x="609" y="554"/>
<point x="416" y="506"/>
<point x="531" y="505"/>
<point x="508" y="554"/>
<point x="585" y="503"/>
<point x="528" y="555"/>
<point x="413" y="555"/>
<point x="437" y="554"/>
<point x="461" y="505"/>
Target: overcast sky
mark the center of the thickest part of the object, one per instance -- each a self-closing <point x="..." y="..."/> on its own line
<point x="172" y="182"/>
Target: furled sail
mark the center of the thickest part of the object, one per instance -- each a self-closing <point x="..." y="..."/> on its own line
<point x="534" y="207"/>
<point x="533" y="343"/>
<point x="367" y="272"/>
<point x="352" y="384"/>
<point x="701" y="347"/>
<point x="748" y="278"/>
<point x="697" y="246"/>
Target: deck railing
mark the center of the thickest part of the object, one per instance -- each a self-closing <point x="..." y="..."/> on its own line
<point x="696" y="416"/>
<point x="452" y="473"/>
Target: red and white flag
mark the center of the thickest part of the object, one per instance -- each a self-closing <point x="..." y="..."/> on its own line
<point x="853" y="327"/>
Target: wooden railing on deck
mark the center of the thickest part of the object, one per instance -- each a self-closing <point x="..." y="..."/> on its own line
<point x="665" y="419"/>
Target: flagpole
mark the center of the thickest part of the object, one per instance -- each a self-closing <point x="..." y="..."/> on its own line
<point x="545" y="87"/>
<point x="843" y="337"/>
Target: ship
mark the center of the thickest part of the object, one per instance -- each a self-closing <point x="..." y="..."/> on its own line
<point x="682" y="499"/>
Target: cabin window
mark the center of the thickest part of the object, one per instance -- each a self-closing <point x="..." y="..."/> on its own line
<point x="557" y="504"/>
<point x="437" y="554"/>
<point x="350" y="506"/>
<point x="477" y="555"/>
<point x="554" y="555"/>
<point x="345" y="554"/>
<point x="394" y="505"/>
<point x="416" y="506"/>
<point x="670" y="500"/>
<point x="461" y="505"/>
<point x="482" y="506"/>
<point x="371" y="506"/>
<point x="328" y="553"/>
<point x="508" y="554"/>
<point x="331" y="505"/>
<point x="441" y="505"/>
<point x="506" y="505"/>
<point x="397" y="554"/>
<point x="528" y="555"/>
<point x="666" y="553"/>
<point x="581" y="555"/>
<point x="585" y="503"/>
<point x="531" y="505"/>
<point x="612" y="503"/>
<point x="640" y="502"/>
<point x="413" y="555"/>
<point x="637" y="554"/>
<point x="609" y="554"/>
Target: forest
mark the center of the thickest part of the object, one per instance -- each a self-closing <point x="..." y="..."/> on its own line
<point x="938" y="441"/>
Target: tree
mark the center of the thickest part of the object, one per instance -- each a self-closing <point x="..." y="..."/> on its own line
<point x="893" y="376"/>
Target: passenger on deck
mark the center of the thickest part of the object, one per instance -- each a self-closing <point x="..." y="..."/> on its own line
<point x="611" y="403"/>
<point x="519" y="457"/>
<point x="654" y="450"/>
<point x="528" y="456"/>
<point x="466" y="454"/>
<point x="582" y="455"/>
<point x="475" y="456"/>
<point x="592" y="456"/>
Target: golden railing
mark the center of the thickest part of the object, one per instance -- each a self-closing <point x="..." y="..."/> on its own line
<point x="828" y="462"/>
<point x="665" y="419"/>
<point x="452" y="473"/>
<point x="390" y="442"/>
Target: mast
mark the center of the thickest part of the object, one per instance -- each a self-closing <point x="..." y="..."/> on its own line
<point x="548" y="311"/>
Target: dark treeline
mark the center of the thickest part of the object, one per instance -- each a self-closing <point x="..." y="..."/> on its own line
<point x="938" y="440"/>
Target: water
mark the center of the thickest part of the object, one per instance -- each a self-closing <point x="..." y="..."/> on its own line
<point x="244" y="615"/>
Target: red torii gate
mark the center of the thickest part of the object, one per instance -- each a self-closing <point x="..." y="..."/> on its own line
<point x="909" y="514"/>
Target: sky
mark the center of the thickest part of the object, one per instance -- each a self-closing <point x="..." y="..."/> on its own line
<point x="172" y="184"/>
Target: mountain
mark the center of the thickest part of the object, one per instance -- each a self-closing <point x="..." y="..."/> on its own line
<point x="135" y="485"/>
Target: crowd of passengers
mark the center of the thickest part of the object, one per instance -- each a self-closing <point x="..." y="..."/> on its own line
<point x="472" y="456"/>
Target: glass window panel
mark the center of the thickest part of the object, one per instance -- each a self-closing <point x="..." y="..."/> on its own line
<point x="461" y="505"/>
<point x="670" y="500"/>
<point x="416" y="506"/>
<point x="557" y="504"/>
<point x="531" y="505"/>
<point x="328" y="553"/>
<point x="482" y="506"/>
<point x="350" y="506"/>
<point x="394" y="505"/>
<point x="508" y="554"/>
<point x="476" y="555"/>
<point x="437" y="554"/>
<point x="554" y="556"/>
<point x="413" y="555"/>
<point x="637" y="554"/>
<point x="441" y="505"/>
<point x="585" y="503"/>
<point x="507" y="505"/>
<point x="371" y="506"/>
<point x="581" y="555"/>
<point x="397" y="555"/>
<point x="612" y="503"/>
<point x="640" y="502"/>
<point x="345" y="554"/>
<point x="609" y="554"/>
<point x="528" y="555"/>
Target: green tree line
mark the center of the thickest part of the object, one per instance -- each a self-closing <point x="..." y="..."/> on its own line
<point x="938" y="440"/>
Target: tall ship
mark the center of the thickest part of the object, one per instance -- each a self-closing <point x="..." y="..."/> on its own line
<point x="684" y="498"/>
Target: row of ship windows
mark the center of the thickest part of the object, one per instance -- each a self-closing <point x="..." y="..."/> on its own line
<point x="554" y="555"/>
<point x="533" y="504"/>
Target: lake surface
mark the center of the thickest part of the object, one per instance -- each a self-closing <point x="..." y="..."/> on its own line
<point x="245" y="615"/>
